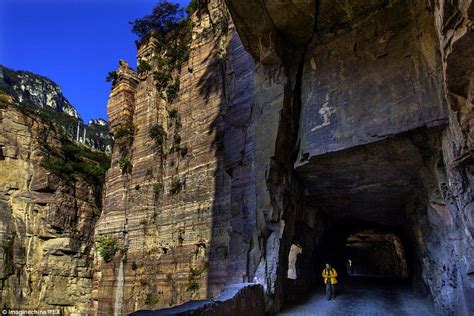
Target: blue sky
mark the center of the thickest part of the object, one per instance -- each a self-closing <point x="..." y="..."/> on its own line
<point x="72" y="42"/>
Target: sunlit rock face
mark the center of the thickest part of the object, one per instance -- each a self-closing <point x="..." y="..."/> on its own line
<point x="180" y="215"/>
<point x="355" y="116"/>
<point x="27" y="87"/>
<point x="339" y="119"/>
<point x="42" y="94"/>
<point x="46" y="222"/>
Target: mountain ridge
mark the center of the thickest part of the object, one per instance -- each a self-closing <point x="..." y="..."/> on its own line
<point x="43" y="94"/>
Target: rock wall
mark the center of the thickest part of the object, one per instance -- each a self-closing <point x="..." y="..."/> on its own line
<point x="46" y="227"/>
<point x="382" y="108"/>
<point x="354" y="116"/>
<point x="176" y="215"/>
<point x="450" y="274"/>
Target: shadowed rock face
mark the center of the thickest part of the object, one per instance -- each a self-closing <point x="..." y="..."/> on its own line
<point x="376" y="74"/>
<point x="372" y="182"/>
<point x="378" y="93"/>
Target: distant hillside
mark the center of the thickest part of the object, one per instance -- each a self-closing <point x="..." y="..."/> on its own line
<point x="35" y="91"/>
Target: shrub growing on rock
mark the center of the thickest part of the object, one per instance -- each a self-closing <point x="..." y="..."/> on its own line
<point x="162" y="79"/>
<point x="176" y="186"/>
<point x="143" y="66"/>
<point x="172" y="91"/>
<point x="151" y="299"/>
<point x="106" y="247"/>
<point x="158" y="134"/>
<point x="125" y="165"/>
<point x="111" y="77"/>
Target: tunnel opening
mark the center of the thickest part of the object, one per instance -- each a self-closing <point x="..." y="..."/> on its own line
<point x="360" y="249"/>
<point x="374" y="254"/>
<point x="368" y="205"/>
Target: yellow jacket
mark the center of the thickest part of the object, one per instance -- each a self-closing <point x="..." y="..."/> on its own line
<point x="329" y="274"/>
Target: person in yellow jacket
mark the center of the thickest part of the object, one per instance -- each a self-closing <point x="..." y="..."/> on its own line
<point x="329" y="276"/>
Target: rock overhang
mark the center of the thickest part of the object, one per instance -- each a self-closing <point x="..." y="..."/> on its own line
<point x="371" y="182"/>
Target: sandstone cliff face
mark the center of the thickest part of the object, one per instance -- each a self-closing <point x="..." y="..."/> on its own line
<point x="169" y="212"/>
<point x="46" y="226"/>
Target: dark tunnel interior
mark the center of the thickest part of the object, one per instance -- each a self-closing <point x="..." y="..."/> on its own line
<point x="365" y="205"/>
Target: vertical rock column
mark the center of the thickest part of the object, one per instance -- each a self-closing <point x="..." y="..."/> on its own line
<point x="113" y="223"/>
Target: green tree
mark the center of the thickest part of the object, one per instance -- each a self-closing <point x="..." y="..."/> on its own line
<point x="164" y="18"/>
<point x="111" y="76"/>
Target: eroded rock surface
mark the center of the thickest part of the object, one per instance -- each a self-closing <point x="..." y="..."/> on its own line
<point x="177" y="216"/>
<point x="46" y="223"/>
<point x="383" y="112"/>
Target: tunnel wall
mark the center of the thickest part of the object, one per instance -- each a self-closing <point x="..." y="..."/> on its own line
<point x="376" y="254"/>
<point x="346" y="76"/>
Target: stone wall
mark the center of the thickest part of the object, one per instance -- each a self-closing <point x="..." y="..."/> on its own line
<point x="237" y="299"/>
<point x="353" y="116"/>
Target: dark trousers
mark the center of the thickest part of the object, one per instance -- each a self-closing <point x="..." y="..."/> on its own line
<point x="330" y="291"/>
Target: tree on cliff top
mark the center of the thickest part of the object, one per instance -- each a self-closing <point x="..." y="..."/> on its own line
<point x="165" y="17"/>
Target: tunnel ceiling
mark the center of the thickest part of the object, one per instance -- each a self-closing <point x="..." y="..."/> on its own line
<point x="369" y="183"/>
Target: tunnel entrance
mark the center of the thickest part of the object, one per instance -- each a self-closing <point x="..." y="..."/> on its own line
<point x="368" y="205"/>
<point x="374" y="254"/>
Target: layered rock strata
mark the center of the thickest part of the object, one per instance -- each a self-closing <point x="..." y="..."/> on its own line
<point x="46" y="226"/>
<point x="169" y="212"/>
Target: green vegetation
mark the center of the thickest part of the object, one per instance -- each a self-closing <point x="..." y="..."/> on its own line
<point x="172" y="91"/>
<point x="177" y="139"/>
<point x="157" y="190"/>
<point x="134" y="265"/>
<point x="125" y="130"/>
<point x="169" y="279"/>
<point x="125" y="165"/>
<point x="75" y="160"/>
<point x="164" y="18"/>
<point x="123" y="135"/>
<point x="106" y="247"/>
<point x="111" y="77"/>
<point x="5" y="98"/>
<point x="172" y="30"/>
<point x="194" y="277"/>
<point x="143" y="66"/>
<point x="196" y="6"/>
<point x="151" y="299"/>
<point x="173" y="113"/>
<point x="157" y="133"/>
<point x="162" y="79"/>
<point x="182" y="150"/>
<point x="176" y="186"/>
